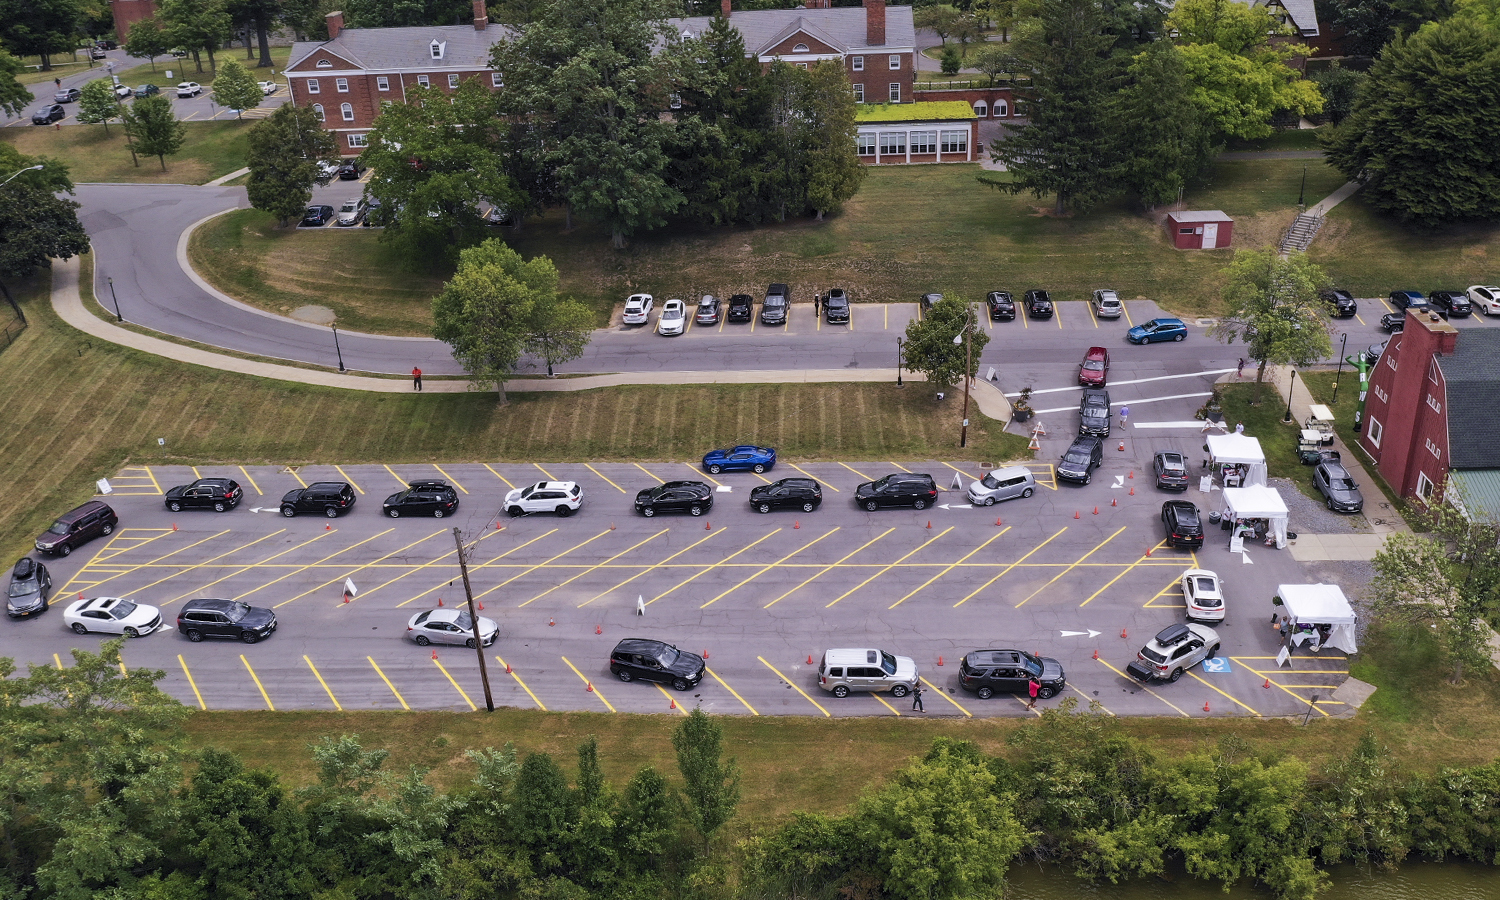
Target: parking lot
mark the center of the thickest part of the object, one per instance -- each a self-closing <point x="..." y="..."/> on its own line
<point x="1068" y="572"/>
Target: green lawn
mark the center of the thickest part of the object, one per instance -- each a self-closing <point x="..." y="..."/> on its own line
<point x="1294" y="139"/>
<point x="94" y="155"/>
<point x="184" y="70"/>
<point x="1371" y="254"/>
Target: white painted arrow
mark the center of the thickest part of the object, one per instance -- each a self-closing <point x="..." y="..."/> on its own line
<point x="1119" y="481"/>
<point x="1245" y="558"/>
<point x="256" y="509"/>
<point x="955" y="506"/>
<point x="1091" y="633"/>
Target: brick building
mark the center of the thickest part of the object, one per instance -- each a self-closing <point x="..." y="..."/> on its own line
<point x="129" y="12"/>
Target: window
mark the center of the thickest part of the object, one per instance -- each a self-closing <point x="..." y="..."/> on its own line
<point x="859" y="92"/>
<point x="382" y="83"/>
<point x="1000" y="110"/>
<point x="1375" y="431"/>
<point x="1434" y="449"/>
<point x="859" y="63"/>
<point x="1424" y="486"/>
<point x="496" y="80"/>
<point x="347" y="111"/>
<point x="359" y="140"/>
<point x="1432" y="402"/>
<point x="318" y="111"/>
<point x="895" y="92"/>
<point x="892" y="142"/>
<point x="800" y="48"/>
<point x="423" y="81"/>
<point x="801" y="65"/>
<point x="895" y="61"/>
<point x="452" y="81"/>
<point x="955" y="142"/>
<point x="1390" y="359"/>
<point x="312" y="86"/>
<point x="436" y="49"/>
<point x="981" y="109"/>
<point x="342" y="85"/>
<point x="924" y="141"/>
<point x="1187" y="230"/>
<point x="1432" y="371"/>
<point x="325" y="63"/>
<point x="1384" y="397"/>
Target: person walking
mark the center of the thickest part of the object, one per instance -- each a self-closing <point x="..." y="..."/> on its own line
<point x="1033" y="687"/>
<point x="1124" y="415"/>
<point x="416" y="378"/>
<point x="1239" y="370"/>
<point x="817" y="304"/>
<point x="58" y="82"/>
<point x="916" y="699"/>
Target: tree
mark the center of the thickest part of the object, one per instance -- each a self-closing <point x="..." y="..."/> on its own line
<point x="152" y="124"/>
<point x="1274" y="307"/>
<point x="1421" y="135"/>
<point x="97" y="104"/>
<point x="36" y="226"/>
<point x="560" y="328"/>
<point x="236" y="88"/>
<point x="993" y="60"/>
<point x="829" y="156"/>
<point x="1340" y="88"/>
<point x="712" y="783"/>
<point x="197" y="25"/>
<point x="966" y="30"/>
<point x="929" y="346"/>
<point x="257" y="16"/>
<point x="14" y="97"/>
<point x="405" y="13"/>
<point x="284" y="151"/>
<point x="1169" y="137"/>
<point x="950" y="63"/>
<point x="39" y="27"/>
<point x="938" y="18"/>
<point x="148" y="39"/>
<point x="485" y="311"/>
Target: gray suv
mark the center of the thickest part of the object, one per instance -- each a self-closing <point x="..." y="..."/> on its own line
<point x="1173" y="651"/>
<point x="1002" y="484"/>
<point x="1337" y="487"/>
<point x="843" y="671"/>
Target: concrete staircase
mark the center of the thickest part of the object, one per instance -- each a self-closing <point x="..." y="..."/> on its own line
<point x="1302" y="232"/>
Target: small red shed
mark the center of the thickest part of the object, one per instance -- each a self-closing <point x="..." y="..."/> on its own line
<point x="1199" y="229"/>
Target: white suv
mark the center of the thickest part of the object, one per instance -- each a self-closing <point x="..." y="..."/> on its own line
<point x="561" y="497"/>
<point x="189" y="89"/>
<point x="637" y="309"/>
<point x="1485" y="297"/>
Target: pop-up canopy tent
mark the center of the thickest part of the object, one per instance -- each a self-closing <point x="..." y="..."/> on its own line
<point x="1258" y="503"/>
<point x="1240" y="449"/>
<point x="1320" y="604"/>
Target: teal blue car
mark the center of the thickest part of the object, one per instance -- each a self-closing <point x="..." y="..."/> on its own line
<point x="1157" y="330"/>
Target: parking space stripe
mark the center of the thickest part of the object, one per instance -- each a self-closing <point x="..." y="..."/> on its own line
<point x="888" y="568"/>
<point x="292" y="470"/>
<point x="1146" y="689"/>
<point x="1286" y="687"/>
<point x="1090" y="700"/>
<point x="127" y="534"/>
<point x="264" y="696"/>
<point x="793" y="686"/>
<point x="1228" y="696"/>
<point x="196" y="474"/>
<point x="517" y="676"/>
<point x="349" y="573"/>
<point x="211" y="559"/>
<point x="350" y="480"/>
<point x="1123" y="573"/>
<point x="708" y="569"/>
<point x="388" y="683"/>
<point x="471" y="544"/>
<point x="301" y="569"/>
<point x="596" y="566"/>
<point x="451" y="479"/>
<point x="828" y="568"/>
<point x="1072" y="567"/>
<point x="544" y="472"/>
<point x="704" y="474"/>
<point x="651" y="567"/>
<point x="810" y="475"/>
<point x="539" y="565"/>
<point x="672" y="704"/>
<point x="87" y="567"/>
<point x="589" y="684"/>
<point x="395" y="476"/>
<point x="439" y="664"/>
<point x="899" y="466"/>
<point x="152" y="476"/>
<point x="1009" y="567"/>
<point x="58" y="661"/>
<point x="767" y="569"/>
<point x="886" y="705"/>
<point x="731" y="690"/>
<point x="1090" y="307"/>
<point x="1152" y="604"/>
<point x="191" y="683"/>
<point x="1125" y="308"/>
<point x="944" y="694"/>
<point x="323" y="683"/>
<point x="607" y="481"/>
<point x="958" y="470"/>
<point x="251" y="479"/>
<point x="1031" y="709"/>
<point x="857" y="472"/>
<point x="648" y="472"/>
<point x="499" y="476"/>
<point x="948" y="569"/>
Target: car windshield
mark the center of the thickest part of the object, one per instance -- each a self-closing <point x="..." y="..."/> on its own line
<point x="463" y="622"/>
<point x="58" y="527"/>
<point x="990" y="481"/>
<point x="122" y="609"/>
<point x="1343" y="484"/>
<point x="888" y="663"/>
<point x="1030" y="663"/>
<point x="22" y="587"/>
<point x="237" y="611"/>
<point x="1094" y="365"/>
<point x="774" y="300"/>
<point x="671" y="312"/>
<point x="668" y="657"/>
<point x="526" y="491"/>
<point x="1076" y="456"/>
<point x="348" y="207"/>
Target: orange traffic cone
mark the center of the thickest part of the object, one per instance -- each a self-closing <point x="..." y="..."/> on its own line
<point x="481" y="606"/>
<point x="1205" y="706"/>
<point x="1132" y="490"/>
<point x="440" y="601"/>
<point x="705" y="654"/>
<point x="929" y="523"/>
<point x="598" y="629"/>
<point x="797" y="524"/>
<point x="507" y="668"/>
<point x="327" y="527"/>
<point x="1267" y="684"/>
<point x="1148" y="550"/>
<point x="1096" y="654"/>
<point x="997" y="522"/>
<point x="1096" y="510"/>
<point x="550" y="623"/>
<point x="708" y="526"/>
<point x="1132" y="474"/>
<point x="1122" y="446"/>
<point x="673" y="705"/>
<point x="434" y="654"/>
<point x="1075" y="513"/>
<point x="940" y="660"/>
<point x="1113" y="502"/>
<point x="346" y="597"/>
<point x="590" y="686"/>
<point x="499" y="527"/>
<point x="174" y="526"/>
<point x="611" y="526"/>
<point x="1124" y="635"/>
<point x="809" y="656"/>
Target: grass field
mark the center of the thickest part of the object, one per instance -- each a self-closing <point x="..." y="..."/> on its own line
<point x="210" y="150"/>
<point x="184" y="70"/>
<point x="1369" y="254"/>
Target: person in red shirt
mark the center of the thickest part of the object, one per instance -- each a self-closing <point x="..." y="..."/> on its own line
<point x="416" y="378"/>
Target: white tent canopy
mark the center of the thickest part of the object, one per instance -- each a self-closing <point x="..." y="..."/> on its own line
<point x="1241" y="449"/>
<point x="1259" y="502"/>
<point x="1321" y="604"/>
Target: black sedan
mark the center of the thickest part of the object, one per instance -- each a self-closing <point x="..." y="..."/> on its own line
<point x="788" y="493"/>
<point x="49" y="114"/>
<point x="350" y="170"/>
<point x="422" y="498"/>
<point x="642" y="659"/>
<point x="1038" y="304"/>
<point x="1451" y="303"/>
<point x="1183" y="524"/>
<point x="912" y="489"/>
<point x="218" y="494"/>
<point x="1395" y="323"/>
<point x="317" y="216"/>
<point x="147" y="90"/>
<point x="692" y="497"/>
<point x="1000" y="305"/>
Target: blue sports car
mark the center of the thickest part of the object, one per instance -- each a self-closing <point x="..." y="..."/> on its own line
<point x="1157" y="330"/>
<point x="756" y="459"/>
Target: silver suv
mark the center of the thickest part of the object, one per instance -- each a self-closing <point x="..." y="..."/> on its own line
<point x="1173" y="651"/>
<point x="1107" y="304"/>
<point x="1002" y="484"/>
<point x="843" y="671"/>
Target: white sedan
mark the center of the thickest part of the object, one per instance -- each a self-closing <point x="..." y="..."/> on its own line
<point x="112" y="615"/>
<point x="637" y="309"/>
<point x="449" y="626"/>
<point x="123" y="91"/>
<point x="189" y="89"/>
<point x="1204" y="595"/>
<point x="269" y="87"/>
<point x="673" y="318"/>
<point x="1486" y="298"/>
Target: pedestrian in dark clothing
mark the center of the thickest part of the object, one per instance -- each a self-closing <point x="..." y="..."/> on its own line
<point x="916" y="699"/>
<point x="1033" y="688"/>
<point x="57" y="81"/>
<point x="817" y="305"/>
<point x="1239" y="371"/>
<point x="416" y="378"/>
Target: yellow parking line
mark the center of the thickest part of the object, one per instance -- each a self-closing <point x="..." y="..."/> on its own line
<point x="469" y="545"/>
<point x="499" y="476"/>
<point x="1008" y="568"/>
<point x="1089" y="305"/>
<point x="352" y="572"/>
<point x="810" y="475"/>
<point x="1125" y="309"/>
<point x="399" y="480"/>
<point x="885" y="309"/>
<point x="595" y="566"/>
<point x="143" y="565"/>
<point x="200" y="565"/>
<point x="124" y="534"/>
<point x="1024" y="316"/>
<point x="828" y="568"/>
<point x="438" y="663"/>
<point x="648" y="472"/>
<point x="323" y="683"/>
<point x="517" y="677"/>
<point x="539" y="565"/>
<point x="1123" y="573"/>
<point x="794" y="687"/>
<point x="1152" y="604"/>
<point x="1057" y="314"/>
<point x="191" y="683"/>
<point x="704" y="474"/>
<point x="58" y="660"/>
<point x="731" y="690"/>
<point x="296" y="476"/>
<point x="1285" y="687"/>
<point x="708" y="569"/>
<point x="1358" y="319"/>
<point x="949" y="569"/>
<point x="348" y="479"/>
<point x="766" y="569"/>
<point x="250" y="479"/>
<point x="264" y="696"/>
<point x="388" y="683"/>
<point x="1031" y="709"/>
<point x="1228" y="696"/>
<point x="649" y="568"/>
<point x="610" y="483"/>
<point x="850" y="324"/>
<point x="944" y="694"/>
<point x="154" y="482"/>
<point x="882" y="702"/>
<point x="301" y="569"/>
<point x="317" y="537"/>
<point x="544" y="472"/>
<point x="596" y="692"/>
<point x="958" y="470"/>
<point x="195" y="472"/>
<point x="672" y="701"/>
<point x="1072" y="567"/>
<point x="857" y="472"/>
<point x="1090" y="700"/>
<point x="1143" y="686"/>
<point x="887" y="568"/>
<point x="899" y="466"/>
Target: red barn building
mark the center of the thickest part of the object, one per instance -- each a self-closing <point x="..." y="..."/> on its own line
<point x="1200" y="229"/>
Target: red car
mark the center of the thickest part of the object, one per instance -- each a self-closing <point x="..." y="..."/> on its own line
<point x="1094" y="370"/>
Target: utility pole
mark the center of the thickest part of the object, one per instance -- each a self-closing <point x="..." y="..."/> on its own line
<point x="463" y="566"/>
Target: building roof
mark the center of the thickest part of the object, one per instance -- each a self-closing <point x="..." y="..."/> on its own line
<point x="409" y="48"/>
<point x="1199" y="215"/>
<point x="1477" y="493"/>
<point x="843" y="27"/>
<point x="925" y="111"/>
<point x="1472" y="375"/>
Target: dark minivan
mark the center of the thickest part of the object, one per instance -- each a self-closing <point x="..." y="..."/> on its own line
<point x="327" y="497"/>
<point x="78" y="527"/>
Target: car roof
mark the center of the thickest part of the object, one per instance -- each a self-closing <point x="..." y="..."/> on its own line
<point x="82" y="510"/>
<point x="225" y="481"/>
<point x="554" y="485"/>
<point x="639" y="645"/>
<point x="989" y="657"/>
<point x="1009" y="471"/>
<point x="444" y="614"/>
<point x="1085" y="440"/>
<point x="208" y="603"/>
<point x="741" y="298"/>
<point x="1096" y="353"/>
<point x="1095" y="395"/>
<point x="328" y="485"/>
<point x="1168" y="454"/>
<point x="852" y="656"/>
<point x="1182" y="504"/>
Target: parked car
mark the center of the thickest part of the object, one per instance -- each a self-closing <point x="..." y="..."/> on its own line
<point x="1204" y="595"/>
<point x="1094" y="370"/>
<point x="49" y="114"/>
<point x="1038" y="304"/>
<point x="1341" y="303"/>
<point x="741" y="308"/>
<point x="1157" y="330"/>
<point x="1094" y="413"/>
<point x="218" y="494"/>
<point x="351" y="212"/>
<point x="1372" y="352"/>
<point x="326" y="170"/>
<point x="1485" y="298"/>
<point x="1171" y="470"/>
<point x="97" y="53"/>
<point x="105" y="44"/>
<point x="77" y="527"/>
<point x="123" y="92"/>
<point x="1001" y="306"/>
<point x="1173" y="651"/>
<point x="708" y="310"/>
<point x="1337" y="486"/>
<point x="211" y="618"/>
<point x="189" y="89"/>
<point x="1107" y="304"/>
<point x="788" y="493"/>
<point x="643" y="659"/>
<point x="67" y="95"/>
<point x="422" y="498"/>
<point x="561" y="497"/>
<point x="638" y="309"/>
<point x="926" y="302"/>
<point x="1082" y="457"/>
<point x="739" y="459"/>
<point x="317" y="216"/>
<point x="29" y="590"/>
<point x="1002" y="484"/>
<point x="1451" y="303"/>
<point x="350" y="170"/>
<point x="1183" y="525"/>
<point x="693" y="497"/>
<point x="1409" y="300"/>
<point x="842" y="672"/>
<point x="836" y="306"/>
<point x="111" y="615"/>
<point x="912" y="489"/>
<point x="1395" y="322"/>
<point x="776" y="306"/>
<point x="991" y="672"/>
<point x="330" y="498"/>
<point x="449" y="626"/>
<point x="147" y="90"/>
<point x="673" y="319"/>
<point x="267" y="88"/>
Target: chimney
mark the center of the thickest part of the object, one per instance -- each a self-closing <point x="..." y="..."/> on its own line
<point x="875" y="23"/>
<point x="724" y="7"/>
<point x="335" y="24"/>
<point x="481" y="16"/>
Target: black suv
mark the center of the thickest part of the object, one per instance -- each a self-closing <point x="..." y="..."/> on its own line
<point x="422" y="498"/>
<point x="778" y="302"/>
<point x="30" y="586"/>
<point x="788" y="493"/>
<point x="77" y="527"/>
<point x="1341" y="303"/>
<point x="1171" y="471"/>
<point x="1093" y="412"/>
<point x="199" y="619"/>
<point x="741" y="308"/>
<point x="1001" y="305"/>
<point x="836" y="306"/>
<point x="648" y="660"/>
<point x="675" y="496"/>
<point x="350" y="170"/>
<point x="1184" y="527"/>
<point x="990" y="672"/>
<point x="897" y="489"/>
<point x="218" y="494"/>
<point x="926" y="302"/>
<point x="327" y="497"/>
<point x="1451" y="303"/>
<point x="1084" y="455"/>
<point x="1038" y="304"/>
<point x="1337" y="487"/>
<point x="317" y="216"/>
<point x="1395" y="323"/>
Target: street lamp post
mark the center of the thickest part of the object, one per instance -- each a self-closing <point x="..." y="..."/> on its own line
<point x="899" y="360"/>
<point x="116" y="297"/>
<point x="336" y="346"/>
<point x="1340" y="372"/>
<point x="1302" y="193"/>
<point x="35" y="168"/>
<point x="1289" y="390"/>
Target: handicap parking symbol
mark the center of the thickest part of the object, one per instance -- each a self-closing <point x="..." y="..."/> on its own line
<point x="1216" y="666"/>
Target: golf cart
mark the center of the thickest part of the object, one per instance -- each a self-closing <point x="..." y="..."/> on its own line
<point x="1316" y="435"/>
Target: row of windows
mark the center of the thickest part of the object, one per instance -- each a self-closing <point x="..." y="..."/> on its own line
<point x="858" y="64"/>
<point x="345" y="110"/>
<point x="1000" y="111"/>
<point x="894" y="143"/>
<point x="894" y="92"/>
<point x="383" y="83"/>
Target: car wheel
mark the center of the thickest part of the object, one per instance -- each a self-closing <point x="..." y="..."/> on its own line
<point x="438" y="514"/>
<point x="1213" y="651"/>
<point x="174" y="506"/>
<point x="1176" y="676"/>
<point x="714" y="470"/>
<point x="984" y="693"/>
<point x="989" y="501"/>
<point x="470" y="644"/>
<point x="1045" y="693"/>
<point x="920" y="504"/>
<point x="331" y="512"/>
<point x="648" y="512"/>
<point x="421" y="640"/>
<point x="759" y="468"/>
<point x="288" y="511"/>
<point x="64" y="550"/>
<point x="108" y="528"/>
<point x="841" y="691"/>
<point x="697" y="510"/>
<point x="764" y="507"/>
<point x="219" y="507"/>
<point x="514" y="512"/>
<point x="871" y="505"/>
<point x="195" y="636"/>
<point x="899" y="691"/>
<point x="1178" y="338"/>
<point x="132" y="633"/>
<point x="393" y="513"/>
<point x="564" y="511"/>
<point x="808" y="507"/>
<point x="249" y="637"/>
<point x="680" y="684"/>
<point x="78" y="628"/>
<point x="1027" y="493"/>
<point x="625" y="675"/>
<point x="1329" y="504"/>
